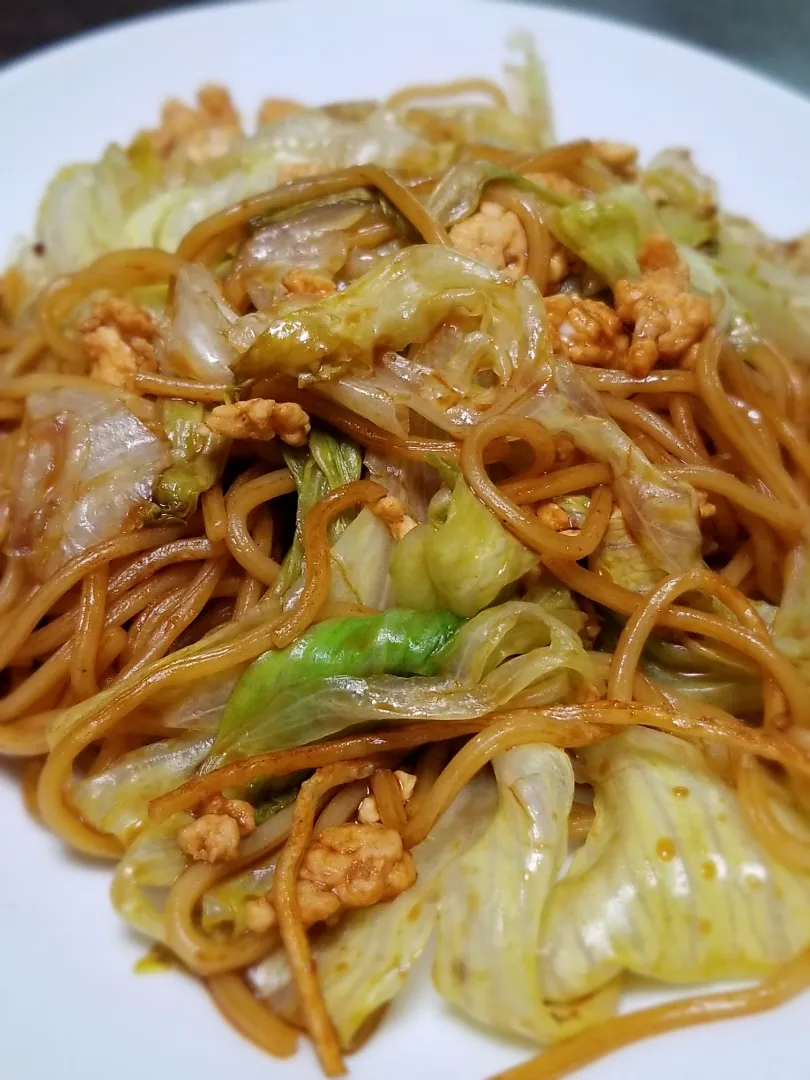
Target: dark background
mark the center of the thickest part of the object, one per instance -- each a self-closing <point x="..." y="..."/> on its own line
<point x="771" y="35"/>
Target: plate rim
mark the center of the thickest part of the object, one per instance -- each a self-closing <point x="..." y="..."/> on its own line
<point x="24" y="65"/>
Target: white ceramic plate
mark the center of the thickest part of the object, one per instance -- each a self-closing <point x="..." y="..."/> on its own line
<point x="70" y="1005"/>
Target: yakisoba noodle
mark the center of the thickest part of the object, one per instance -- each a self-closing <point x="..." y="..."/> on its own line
<point x="110" y="638"/>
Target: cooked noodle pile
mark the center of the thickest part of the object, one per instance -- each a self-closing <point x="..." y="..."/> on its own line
<point x="439" y="503"/>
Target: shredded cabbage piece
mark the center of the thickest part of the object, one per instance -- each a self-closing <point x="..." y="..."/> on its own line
<point x="327" y="462"/>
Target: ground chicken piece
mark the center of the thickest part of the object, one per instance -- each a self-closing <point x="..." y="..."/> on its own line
<point x="553" y="517"/>
<point x="211" y="838"/>
<point x="391" y="511"/>
<point x="272" y="110"/>
<point x="242" y="812"/>
<point x="260" y="915"/>
<point x="303" y="282"/>
<point x="368" y="812"/>
<point x="261" y="418"/>
<point x="620" y="157"/>
<point x="360" y="864"/>
<point x="562" y="262"/>
<point x="706" y="509"/>
<point x="585" y="331"/>
<point x="346" y="866"/>
<point x="203" y="133"/>
<point x="119" y="339"/>
<point x="315" y="904"/>
<point x="132" y="322"/>
<point x="667" y="319"/>
<point x="657" y="252"/>
<point x="494" y="236"/>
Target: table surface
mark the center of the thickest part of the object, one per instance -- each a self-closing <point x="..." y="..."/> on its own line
<point x="770" y="35"/>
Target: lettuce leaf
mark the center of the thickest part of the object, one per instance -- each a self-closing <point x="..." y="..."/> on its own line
<point x="773" y="293"/>
<point x="222" y="909"/>
<point x="403" y="301"/>
<point x="659" y="511"/>
<point x="493" y="900"/>
<point x="506" y="653"/>
<point x="606" y="230"/>
<point x="130" y="198"/>
<point x="791" y="626"/>
<point x="395" y="642"/>
<point x="459" y="191"/>
<point x="86" y="471"/>
<point x="364" y="961"/>
<point x="150" y="866"/>
<point x="462" y="562"/>
<point x="624" y="560"/>
<point x="685" y="199"/>
<point x="669" y="884"/>
<point x="329" y="461"/>
<point x="117" y="800"/>
<point x="198" y="457"/>
<point x="360" y="563"/>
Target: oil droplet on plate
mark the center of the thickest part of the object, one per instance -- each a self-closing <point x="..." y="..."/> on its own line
<point x="704" y="926"/>
<point x="681" y="792"/>
<point x="665" y="849"/>
<point x="708" y="870"/>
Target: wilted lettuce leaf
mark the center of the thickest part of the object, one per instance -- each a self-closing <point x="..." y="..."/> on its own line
<point x="198" y="456"/>
<point x="129" y="198"/>
<point x="791" y="627"/>
<point x="493" y="900"/>
<point x="499" y="655"/>
<point x="772" y="292"/>
<point x="329" y="461"/>
<point x="459" y="191"/>
<point x="685" y="199"/>
<point x="395" y="642"/>
<point x="461" y="561"/>
<point x="222" y="909"/>
<point x="132" y="198"/>
<point x="117" y="800"/>
<point x="150" y="866"/>
<point x="606" y="230"/>
<point x="360" y="563"/>
<point x="85" y="470"/>
<point x="623" y="559"/>
<point x="555" y="599"/>
<point x="198" y="338"/>
<point x="659" y="511"/>
<point x="669" y="883"/>
<point x="402" y="301"/>
<point x="364" y="961"/>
